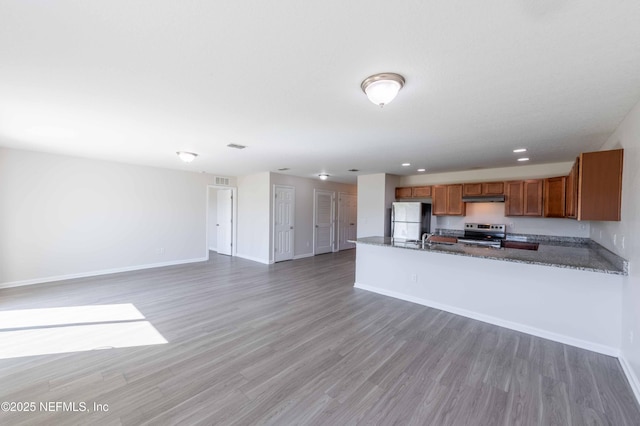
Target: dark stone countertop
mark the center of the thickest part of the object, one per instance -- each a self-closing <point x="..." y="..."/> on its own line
<point x="581" y="254"/>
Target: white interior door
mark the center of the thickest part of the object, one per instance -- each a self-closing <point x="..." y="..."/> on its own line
<point x="347" y="215"/>
<point x="283" y="226"/>
<point x="224" y="223"/>
<point x="324" y="217"/>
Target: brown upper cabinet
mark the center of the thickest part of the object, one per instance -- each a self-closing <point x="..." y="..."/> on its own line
<point x="447" y="200"/>
<point x="599" y="185"/>
<point x="523" y="198"/>
<point x="571" y="191"/>
<point x="403" y="192"/>
<point x="554" y="197"/>
<point x="413" y="192"/>
<point x="483" y="188"/>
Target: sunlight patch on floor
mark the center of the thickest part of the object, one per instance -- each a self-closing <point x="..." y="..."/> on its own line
<point x="29" y="332"/>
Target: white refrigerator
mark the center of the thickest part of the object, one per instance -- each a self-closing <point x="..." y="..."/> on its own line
<point x="409" y="220"/>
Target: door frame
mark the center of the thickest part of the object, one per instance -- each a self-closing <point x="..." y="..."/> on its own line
<point x="234" y="218"/>
<point x="333" y="218"/>
<point x="273" y="220"/>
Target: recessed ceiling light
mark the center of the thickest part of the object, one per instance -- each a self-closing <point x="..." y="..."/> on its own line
<point x="520" y="150"/>
<point x="523" y="159"/>
<point x="406" y="164"/>
<point x="236" y="146"/>
<point x="187" y="157"/>
<point x="422" y="170"/>
<point x="323" y="176"/>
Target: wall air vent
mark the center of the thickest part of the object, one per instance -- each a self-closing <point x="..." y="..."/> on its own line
<point x="223" y="181"/>
<point x="236" y="146"/>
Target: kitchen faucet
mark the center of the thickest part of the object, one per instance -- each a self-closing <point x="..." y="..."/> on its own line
<point x="426" y="238"/>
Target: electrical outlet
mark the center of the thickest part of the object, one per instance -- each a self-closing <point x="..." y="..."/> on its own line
<point x="622" y="241"/>
<point x="160" y="250"/>
<point x="583" y="226"/>
<point x="615" y="238"/>
<point x="414" y="278"/>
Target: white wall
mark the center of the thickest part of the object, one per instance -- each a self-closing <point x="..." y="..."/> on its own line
<point x="487" y="175"/>
<point x="376" y="192"/>
<point x="254" y="217"/>
<point x="623" y="238"/>
<point x="303" y="244"/>
<point x="494" y="212"/>
<point x="63" y="216"/>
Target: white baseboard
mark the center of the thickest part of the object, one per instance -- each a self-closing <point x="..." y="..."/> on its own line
<point x="568" y="340"/>
<point x="213" y="248"/>
<point x="634" y="381"/>
<point x="255" y="259"/>
<point x="100" y="272"/>
<point x="302" y="256"/>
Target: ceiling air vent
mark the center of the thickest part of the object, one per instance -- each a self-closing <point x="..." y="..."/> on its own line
<point x="236" y="146"/>
<point x="223" y="181"/>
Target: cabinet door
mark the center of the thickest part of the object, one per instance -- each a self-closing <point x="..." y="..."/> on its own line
<point x="455" y="206"/>
<point x="493" y="188"/>
<point x="421" y="192"/>
<point x="532" y="197"/>
<point x="471" y="189"/>
<point x="571" y="191"/>
<point x="554" y="196"/>
<point x="600" y="185"/>
<point x="514" y="198"/>
<point x="403" y="192"/>
<point x="439" y="200"/>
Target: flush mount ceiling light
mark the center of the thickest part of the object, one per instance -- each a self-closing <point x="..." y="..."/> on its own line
<point x="523" y="159"/>
<point x="422" y="170"/>
<point x="382" y="88"/>
<point x="187" y="157"/>
<point x="323" y="176"/>
<point x="520" y="150"/>
<point x="406" y="164"/>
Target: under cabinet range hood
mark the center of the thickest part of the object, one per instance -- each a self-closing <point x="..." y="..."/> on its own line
<point x="483" y="199"/>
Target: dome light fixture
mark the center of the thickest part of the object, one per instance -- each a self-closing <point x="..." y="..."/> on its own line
<point x="187" y="157"/>
<point x="323" y="176"/>
<point x="382" y="88"/>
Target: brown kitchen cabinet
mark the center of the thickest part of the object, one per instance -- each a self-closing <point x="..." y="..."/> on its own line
<point x="554" y="197"/>
<point x="403" y="192"/>
<point x="483" y="188"/>
<point x="413" y="192"/>
<point x="447" y="200"/>
<point x="421" y="192"/>
<point x="571" y="191"/>
<point x="523" y="198"/>
<point x="600" y="185"/>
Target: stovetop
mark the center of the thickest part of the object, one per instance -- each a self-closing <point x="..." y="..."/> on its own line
<point x="484" y="234"/>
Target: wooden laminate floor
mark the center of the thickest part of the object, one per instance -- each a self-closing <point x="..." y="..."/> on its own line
<point x="295" y="343"/>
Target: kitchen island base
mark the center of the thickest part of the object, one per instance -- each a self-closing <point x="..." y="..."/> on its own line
<point x="575" y="307"/>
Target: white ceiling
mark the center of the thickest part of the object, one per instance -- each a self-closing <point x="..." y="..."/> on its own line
<point x="135" y="81"/>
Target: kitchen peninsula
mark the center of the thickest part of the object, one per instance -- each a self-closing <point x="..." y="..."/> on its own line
<point x="567" y="292"/>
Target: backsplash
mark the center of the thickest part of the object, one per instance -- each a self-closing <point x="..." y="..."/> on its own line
<point x="494" y="213"/>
